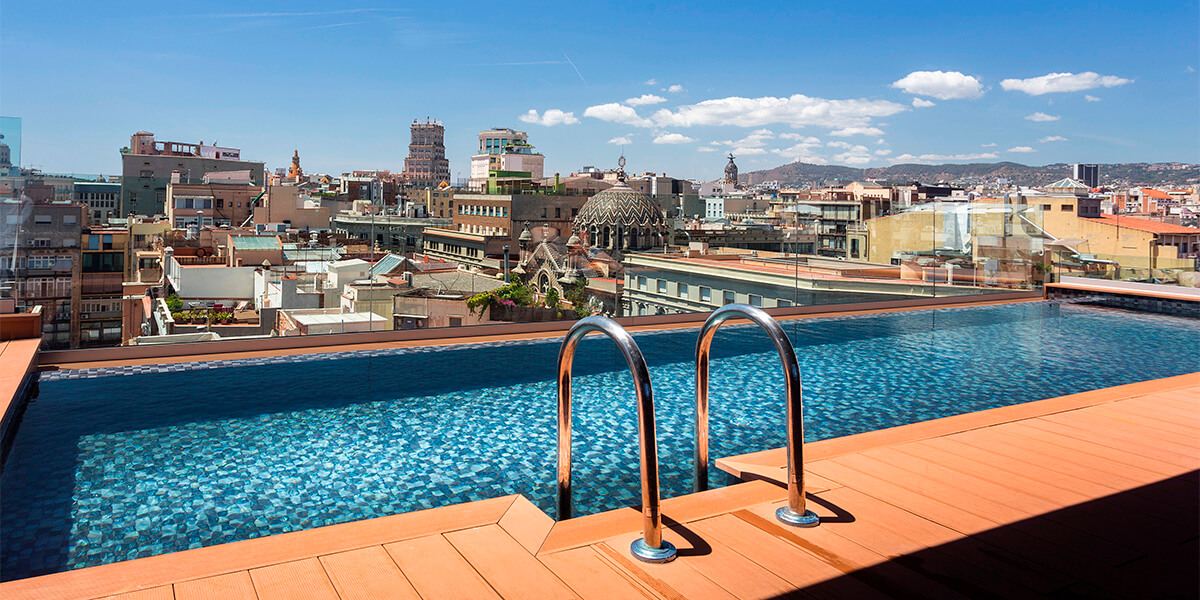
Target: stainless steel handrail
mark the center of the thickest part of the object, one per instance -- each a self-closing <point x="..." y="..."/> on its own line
<point x="651" y="548"/>
<point x="795" y="512"/>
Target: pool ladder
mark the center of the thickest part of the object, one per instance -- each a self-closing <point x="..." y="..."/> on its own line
<point x="795" y="513"/>
<point x="652" y="547"/>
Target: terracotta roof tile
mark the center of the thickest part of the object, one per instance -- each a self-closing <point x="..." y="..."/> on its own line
<point x="1145" y="225"/>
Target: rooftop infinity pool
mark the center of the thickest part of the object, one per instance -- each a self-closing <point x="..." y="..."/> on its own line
<point x="116" y="464"/>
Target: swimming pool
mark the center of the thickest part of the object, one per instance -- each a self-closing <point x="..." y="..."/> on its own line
<point x="116" y="464"/>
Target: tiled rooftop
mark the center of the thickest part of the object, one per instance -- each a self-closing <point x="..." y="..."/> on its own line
<point x="1088" y="495"/>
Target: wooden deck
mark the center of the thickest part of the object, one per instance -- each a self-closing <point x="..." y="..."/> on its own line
<point x="1091" y="495"/>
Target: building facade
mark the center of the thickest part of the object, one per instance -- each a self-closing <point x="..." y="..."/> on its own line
<point x="1088" y="174"/>
<point x="214" y="202"/>
<point x="147" y="167"/>
<point x="505" y="150"/>
<point x="40" y="264"/>
<point x="426" y="165"/>
<point x="103" y="200"/>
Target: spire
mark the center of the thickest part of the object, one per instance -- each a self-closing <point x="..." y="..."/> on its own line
<point x="621" y="168"/>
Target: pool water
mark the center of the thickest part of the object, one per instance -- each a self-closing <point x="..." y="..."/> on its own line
<point x="116" y="464"/>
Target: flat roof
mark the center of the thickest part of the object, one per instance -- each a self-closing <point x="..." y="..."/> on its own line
<point x="336" y="318"/>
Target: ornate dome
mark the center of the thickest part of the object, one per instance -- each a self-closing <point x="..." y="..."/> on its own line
<point x="620" y="206"/>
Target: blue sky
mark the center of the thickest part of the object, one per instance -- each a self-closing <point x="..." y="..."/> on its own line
<point x="861" y="84"/>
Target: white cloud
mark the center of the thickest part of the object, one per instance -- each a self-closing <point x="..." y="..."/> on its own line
<point x="991" y="145"/>
<point x="652" y="81"/>
<point x="943" y="157"/>
<point x="549" y="118"/>
<point x="880" y="141"/>
<point x="1062" y="82"/>
<point x="707" y="149"/>
<point x="1090" y="98"/>
<point x="1052" y="138"/>
<point x="882" y="152"/>
<point x="748" y="151"/>
<point x="673" y="138"/>
<point x="1042" y="117"/>
<point x="922" y="103"/>
<point x="1189" y="69"/>
<point x="755" y="139"/>
<point x="802" y="152"/>
<point x="854" y="154"/>
<point x="943" y="85"/>
<point x="645" y="99"/>
<point x="797" y="111"/>
<point x="849" y="131"/>
<point x="792" y="136"/>
<point x="1021" y="149"/>
<point x="617" y="113"/>
<point x="624" y="140"/>
<point x="674" y="89"/>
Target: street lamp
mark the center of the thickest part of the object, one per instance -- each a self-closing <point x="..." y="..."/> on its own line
<point x="506" y="264"/>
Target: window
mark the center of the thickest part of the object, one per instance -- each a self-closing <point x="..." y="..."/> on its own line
<point x="683" y="290"/>
<point x="784" y="303"/>
<point x="543" y="212"/>
<point x="42" y="219"/>
<point x="641" y="283"/>
<point x="706" y="294"/>
<point x="1068" y="207"/>
<point x="729" y="297"/>
<point x="69" y="219"/>
<point x="557" y="212"/>
<point x="755" y="300"/>
<point x="662" y="286"/>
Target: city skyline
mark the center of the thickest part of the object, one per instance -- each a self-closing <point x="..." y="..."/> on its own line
<point x="868" y="85"/>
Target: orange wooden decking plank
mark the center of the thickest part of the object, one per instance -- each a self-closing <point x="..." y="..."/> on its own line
<point x="1012" y="489"/>
<point x="366" y="574"/>
<point x="165" y="569"/>
<point x="527" y="524"/>
<point x="230" y="586"/>
<point x="909" y="476"/>
<point x="592" y="576"/>
<point x="159" y="593"/>
<point x="508" y="567"/>
<point x="867" y="565"/>
<point x="1119" y="439"/>
<point x="590" y="529"/>
<point x="1137" y="414"/>
<point x="735" y="573"/>
<point x="976" y="555"/>
<point x="1030" y="471"/>
<point x="296" y="580"/>
<point x="1046" y="455"/>
<point x="436" y="570"/>
<point x="1070" y="454"/>
<point x="947" y="515"/>
<point x="1043" y="540"/>
<point x="785" y="560"/>
<point x="1129" y="457"/>
<point x="1185" y="437"/>
<point x="676" y="579"/>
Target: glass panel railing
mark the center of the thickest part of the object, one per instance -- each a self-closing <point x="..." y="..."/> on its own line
<point x="508" y="258"/>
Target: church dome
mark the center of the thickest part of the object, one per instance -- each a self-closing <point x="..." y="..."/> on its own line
<point x="620" y="206"/>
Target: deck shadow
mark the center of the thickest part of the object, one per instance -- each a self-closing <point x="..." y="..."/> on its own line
<point x="1161" y="520"/>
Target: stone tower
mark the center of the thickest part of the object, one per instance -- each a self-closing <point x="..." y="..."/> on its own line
<point x="731" y="171"/>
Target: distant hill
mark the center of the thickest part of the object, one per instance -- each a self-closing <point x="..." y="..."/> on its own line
<point x="1124" y="174"/>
